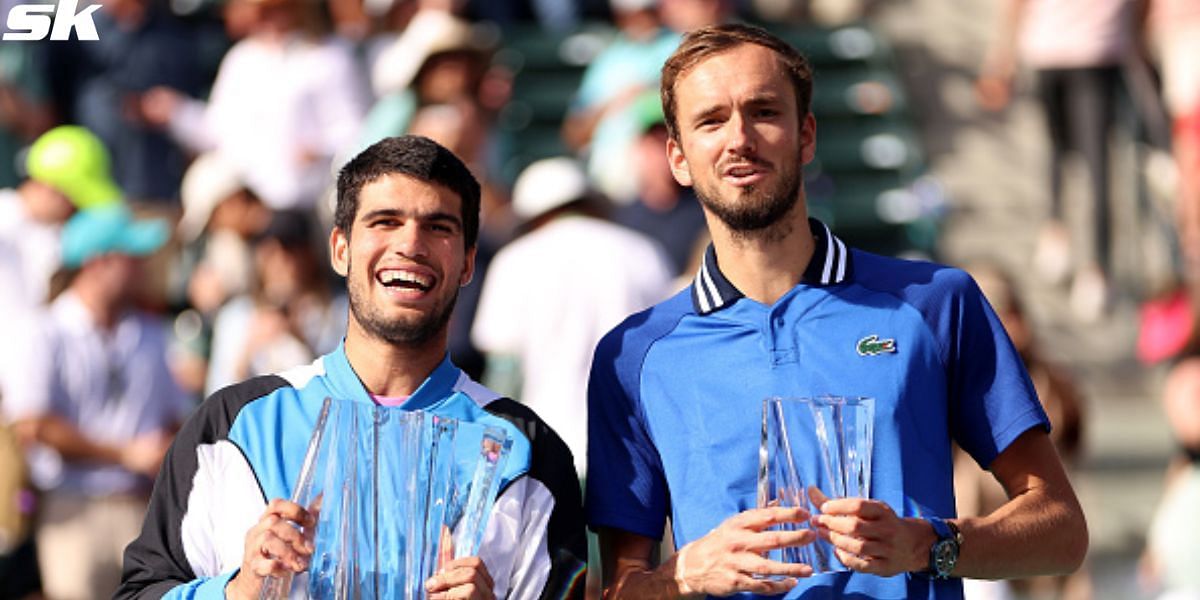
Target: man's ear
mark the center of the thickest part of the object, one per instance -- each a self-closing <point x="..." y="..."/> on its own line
<point x="339" y="252"/>
<point x="679" y="164"/>
<point x="469" y="267"/>
<point x="808" y="139"/>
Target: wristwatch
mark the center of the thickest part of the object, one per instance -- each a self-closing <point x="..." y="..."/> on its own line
<point x="943" y="555"/>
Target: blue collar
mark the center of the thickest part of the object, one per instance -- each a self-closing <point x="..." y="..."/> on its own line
<point x="829" y="265"/>
<point x="345" y="382"/>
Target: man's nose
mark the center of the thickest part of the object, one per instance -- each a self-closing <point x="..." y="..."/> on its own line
<point x="409" y="240"/>
<point x="740" y="134"/>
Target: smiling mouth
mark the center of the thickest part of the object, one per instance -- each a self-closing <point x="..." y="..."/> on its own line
<point x="406" y="280"/>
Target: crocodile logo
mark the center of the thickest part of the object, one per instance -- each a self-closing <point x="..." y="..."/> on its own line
<point x="873" y="346"/>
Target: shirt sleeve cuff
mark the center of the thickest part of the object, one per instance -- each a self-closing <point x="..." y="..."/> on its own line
<point x="214" y="588"/>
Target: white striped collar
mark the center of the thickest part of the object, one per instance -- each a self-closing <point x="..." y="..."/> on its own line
<point x="829" y="265"/>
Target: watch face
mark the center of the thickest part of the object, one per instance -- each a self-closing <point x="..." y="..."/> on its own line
<point x="945" y="555"/>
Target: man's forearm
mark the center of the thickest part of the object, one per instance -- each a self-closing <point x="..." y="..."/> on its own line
<point x="1039" y="532"/>
<point x="67" y="440"/>
<point x="641" y="582"/>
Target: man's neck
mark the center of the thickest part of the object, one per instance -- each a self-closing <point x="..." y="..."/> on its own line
<point x="390" y="369"/>
<point x="766" y="264"/>
<point x="103" y="311"/>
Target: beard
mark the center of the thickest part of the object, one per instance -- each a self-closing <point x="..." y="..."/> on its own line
<point x="755" y="208"/>
<point x="401" y="331"/>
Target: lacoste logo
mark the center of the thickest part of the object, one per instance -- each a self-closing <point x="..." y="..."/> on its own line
<point x="872" y="346"/>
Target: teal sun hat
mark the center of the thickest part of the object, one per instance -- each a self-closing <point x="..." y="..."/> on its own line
<point x="110" y="230"/>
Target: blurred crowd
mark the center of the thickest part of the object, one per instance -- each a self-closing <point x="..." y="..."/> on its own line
<point x="167" y="201"/>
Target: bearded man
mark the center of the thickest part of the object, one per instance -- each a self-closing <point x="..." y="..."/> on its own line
<point x="782" y="307"/>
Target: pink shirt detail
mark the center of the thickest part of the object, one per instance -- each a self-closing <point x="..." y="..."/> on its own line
<point x="389" y="400"/>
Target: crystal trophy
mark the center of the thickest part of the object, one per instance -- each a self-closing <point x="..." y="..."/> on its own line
<point x="823" y="443"/>
<point x="395" y="493"/>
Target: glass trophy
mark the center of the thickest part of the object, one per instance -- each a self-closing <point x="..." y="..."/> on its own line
<point x="395" y="493"/>
<point x="823" y="443"/>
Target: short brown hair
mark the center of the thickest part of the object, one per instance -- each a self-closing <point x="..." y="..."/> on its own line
<point x="702" y="43"/>
<point x="415" y="156"/>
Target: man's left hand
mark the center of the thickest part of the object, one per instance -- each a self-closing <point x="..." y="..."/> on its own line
<point x="869" y="537"/>
<point x="461" y="579"/>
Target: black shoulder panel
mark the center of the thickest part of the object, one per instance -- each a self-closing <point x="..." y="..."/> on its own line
<point x="155" y="561"/>
<point x="551" y="464"/>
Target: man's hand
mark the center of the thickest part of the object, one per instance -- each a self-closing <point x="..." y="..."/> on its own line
<point x="462" y="579"/>
<point x="731" y="557"/>
<point x="868" y="536"/>
<point x="158" y="105"/>
<point x="278" y="545"/>
<point x="144" y="454"/>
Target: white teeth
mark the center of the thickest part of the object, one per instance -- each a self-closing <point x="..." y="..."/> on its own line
<point x="390" y="277"/>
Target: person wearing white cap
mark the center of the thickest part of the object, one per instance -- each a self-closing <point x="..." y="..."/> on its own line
<point x="221" y="217"/>
<point x="552" y="293"/>
<point x="95" y="404"/>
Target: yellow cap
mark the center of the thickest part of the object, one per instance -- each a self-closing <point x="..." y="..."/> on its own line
<point x="74" y="161"/>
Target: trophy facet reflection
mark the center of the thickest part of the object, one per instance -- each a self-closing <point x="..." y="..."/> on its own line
<point x="823" y="443"/>
<point x="394" y="493"/>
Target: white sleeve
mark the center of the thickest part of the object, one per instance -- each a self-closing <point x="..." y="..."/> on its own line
<point x="515" y="547"/>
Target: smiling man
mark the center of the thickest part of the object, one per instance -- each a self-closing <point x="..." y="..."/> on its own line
<point x="406" y="225"/>
<point x="782" y="307"/>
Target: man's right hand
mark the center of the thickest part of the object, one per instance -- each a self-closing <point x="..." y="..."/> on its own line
<point x="278" y="545"/>
<point x="730" y="559"/>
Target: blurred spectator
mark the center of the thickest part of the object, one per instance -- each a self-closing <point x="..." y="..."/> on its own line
<point x="68" y="169"/>
<point x="25" y="108"/>
<point x="1176" y="28"/>
<point x="99" y="84"/>
<point x="439" y="59"/>
<point x="286" y="101"/>
<point x="553" y="292"/>
<point x="290" y="317"/>
<point x="1075" y="48"/>
<point x="221" y="219"/>
<point x="95" y="404"/>
<point x="663" y="210"/>
<point x="976" y="491"/>
<point x="600" y="121"/>
<point x="1171" y="564"/>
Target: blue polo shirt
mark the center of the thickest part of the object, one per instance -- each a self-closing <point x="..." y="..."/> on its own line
<point x="676" y="391"/>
